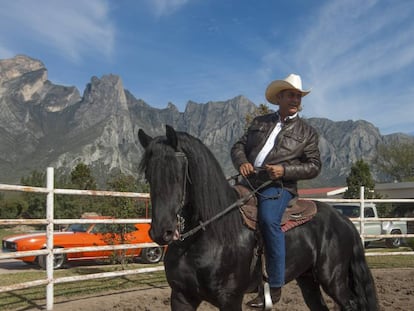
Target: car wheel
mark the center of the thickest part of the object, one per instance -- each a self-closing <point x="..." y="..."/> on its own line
<point x="394" y="242"/>
<point x="152" y="254"/>
<point x="58" y="262"/>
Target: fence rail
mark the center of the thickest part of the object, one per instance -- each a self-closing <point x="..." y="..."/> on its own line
<point x="49" y="251"/>
<point x="362" y="220"/>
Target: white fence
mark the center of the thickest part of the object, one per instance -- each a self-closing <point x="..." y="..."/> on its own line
<point x="49" y="251"/>
<point x="362" y="220"/>
<point x="50" y="221"/>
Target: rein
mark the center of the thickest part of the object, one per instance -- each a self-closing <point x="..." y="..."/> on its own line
<point x="202" y="225"/>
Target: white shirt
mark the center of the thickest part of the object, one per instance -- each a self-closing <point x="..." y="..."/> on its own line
<point x="270" y="142"/>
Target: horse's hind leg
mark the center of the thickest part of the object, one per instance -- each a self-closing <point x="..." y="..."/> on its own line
<point x="342" y="295"/>
<point x="311" y="292"/>
<point x="336" y="285"/>
<point x="179" y="302"/>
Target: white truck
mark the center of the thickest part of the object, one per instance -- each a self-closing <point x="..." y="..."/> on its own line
<point x="353" y="210"/>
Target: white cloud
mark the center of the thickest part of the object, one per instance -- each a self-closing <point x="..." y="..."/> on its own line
<point x="70" y="28"/>
<point x="359" y="39"/>
<point x="5" y="53"/>
<point x="359" y="58"/>
<point x="166" y="7"/>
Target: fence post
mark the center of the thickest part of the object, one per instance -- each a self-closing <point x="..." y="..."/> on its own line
<point x="49" y="238"/>
<point x="362" y="213"/>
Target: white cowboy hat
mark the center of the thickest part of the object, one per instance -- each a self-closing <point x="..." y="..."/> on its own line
<point x="292" y="81"/>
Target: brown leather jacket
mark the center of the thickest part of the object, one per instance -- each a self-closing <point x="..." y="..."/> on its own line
<point x="296" y="149"/>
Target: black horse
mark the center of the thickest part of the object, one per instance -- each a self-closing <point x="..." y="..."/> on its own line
<point x="216" y="264"/>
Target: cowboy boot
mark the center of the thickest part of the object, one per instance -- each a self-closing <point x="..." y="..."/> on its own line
<point x="276" y="294"/>
<point x="259" y="301"/>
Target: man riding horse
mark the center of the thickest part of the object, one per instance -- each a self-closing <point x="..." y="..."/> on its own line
<point x="283" y="148"/>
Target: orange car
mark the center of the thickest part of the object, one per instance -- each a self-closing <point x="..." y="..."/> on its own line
<point x="81" y="235"/>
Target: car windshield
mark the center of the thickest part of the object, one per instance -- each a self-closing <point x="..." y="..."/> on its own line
<point x="113" y="228"/>
<point x="348" y="210"/>
<point x="78" y="227"/>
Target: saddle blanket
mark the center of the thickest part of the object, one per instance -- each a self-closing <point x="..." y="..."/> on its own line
<point x="298" y="211"/>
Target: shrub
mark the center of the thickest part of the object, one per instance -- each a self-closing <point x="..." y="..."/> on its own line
<point x="410" y="243"/>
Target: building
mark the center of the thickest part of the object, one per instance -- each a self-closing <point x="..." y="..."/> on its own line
<point x="328" y="192"/>
<point x="401" y="190"/>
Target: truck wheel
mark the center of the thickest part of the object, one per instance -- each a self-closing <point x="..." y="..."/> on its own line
<point x="393" y="242"/>
<point x="58" y="262"/>
<point x="152" y="254"/>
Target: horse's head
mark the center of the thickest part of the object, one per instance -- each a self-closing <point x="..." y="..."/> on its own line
<point x="166" y="170"/>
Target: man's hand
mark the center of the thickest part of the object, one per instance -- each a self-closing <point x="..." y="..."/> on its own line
<point x="275" y="171"/>
<point x="246" y="169"/>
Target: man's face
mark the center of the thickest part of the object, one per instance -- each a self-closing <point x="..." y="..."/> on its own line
<point x="289" y="102"/>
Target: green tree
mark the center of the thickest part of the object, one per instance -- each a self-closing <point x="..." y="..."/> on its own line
<point x="123" y="207"/>
<point x="65" y="205"/>
<point x="262" y="109"/>
<point x="396" y="160"/>
<point x="12" y="208"/>
<point x="81" y="177"/>
<point x="360" y="175"/>
<point x="36" y="202"/>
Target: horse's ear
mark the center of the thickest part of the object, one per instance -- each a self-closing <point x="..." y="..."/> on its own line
<point x="171" y="136"/>
<point x="144" y="139"/>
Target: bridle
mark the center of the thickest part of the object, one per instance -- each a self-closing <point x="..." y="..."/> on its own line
<point x="180" y="219"/>
<point x="202" y="225"/>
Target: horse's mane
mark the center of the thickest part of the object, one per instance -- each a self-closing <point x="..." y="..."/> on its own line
<point x="211" y="192"/>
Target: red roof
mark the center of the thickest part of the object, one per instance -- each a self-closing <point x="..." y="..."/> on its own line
<point x="305" y="192"/>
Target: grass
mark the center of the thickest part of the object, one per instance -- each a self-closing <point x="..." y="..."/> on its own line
<point x="397" y="261"/>
<point x="394" y="261"/>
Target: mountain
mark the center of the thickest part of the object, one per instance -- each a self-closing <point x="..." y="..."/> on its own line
<point x="43" y="124"/>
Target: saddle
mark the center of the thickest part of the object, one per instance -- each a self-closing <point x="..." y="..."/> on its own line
<point x="298" y="211"/>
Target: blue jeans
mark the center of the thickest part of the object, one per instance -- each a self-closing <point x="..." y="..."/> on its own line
<point x="272" y="204"/>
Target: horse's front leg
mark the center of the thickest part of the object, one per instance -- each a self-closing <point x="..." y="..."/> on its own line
<point x="231" y="302"/>
<point x="181" y="302"/>
<point x="235" y="306"/>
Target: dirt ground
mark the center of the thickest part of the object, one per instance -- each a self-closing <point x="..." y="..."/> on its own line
<point x="395" y="288"/>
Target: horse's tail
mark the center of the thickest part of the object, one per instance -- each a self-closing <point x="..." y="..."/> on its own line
<point x="361" y="280"/>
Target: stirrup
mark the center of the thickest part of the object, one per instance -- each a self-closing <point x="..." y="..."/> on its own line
<point x="268" y="304"/>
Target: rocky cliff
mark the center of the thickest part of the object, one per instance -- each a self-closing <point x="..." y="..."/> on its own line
<point x="42" y="124"/>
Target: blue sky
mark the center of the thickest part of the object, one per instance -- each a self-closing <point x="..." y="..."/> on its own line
<point x="357" y="56"/>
